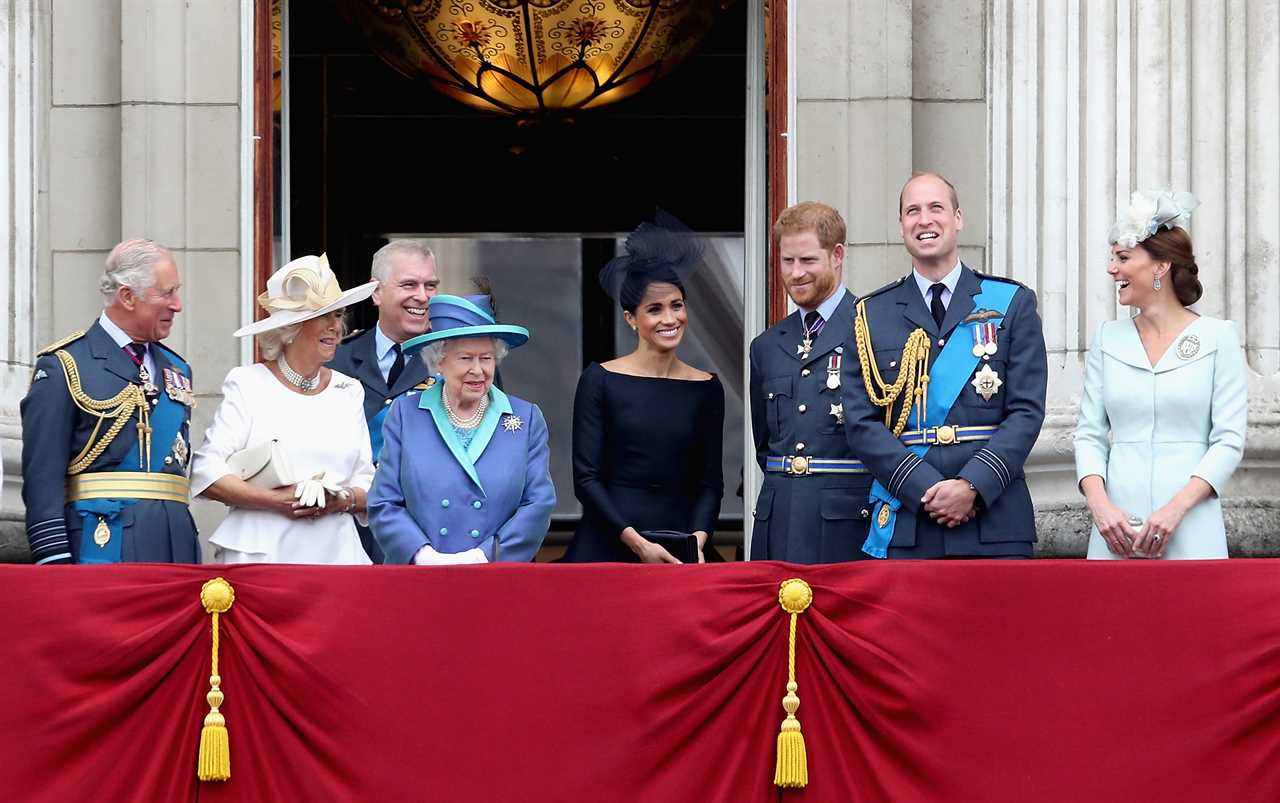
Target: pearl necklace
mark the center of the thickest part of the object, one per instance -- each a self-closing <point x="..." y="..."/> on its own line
<point x="472" y="421"/>
<point x="303" y="383"/>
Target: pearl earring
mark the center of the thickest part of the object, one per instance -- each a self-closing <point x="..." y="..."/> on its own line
<point x="1157" y="284"/>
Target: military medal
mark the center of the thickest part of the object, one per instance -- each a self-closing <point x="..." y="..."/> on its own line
<point x="984" y="339"/>
<point x="837" y="410"/>
<point x="512" y="423"/>
<point x="148" y="389"/>
<point x="180" y="450"/>
<point x="810" y="332"/>
<point x="987" y="383"/>
<point x="833" y="371"/>
<point x="101" y="533"/>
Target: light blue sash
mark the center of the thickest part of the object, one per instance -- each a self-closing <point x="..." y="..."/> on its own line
<point x="947" y="377"/>
<point x="167" y="418"/>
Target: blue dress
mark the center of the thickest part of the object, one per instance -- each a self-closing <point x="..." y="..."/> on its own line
<point x="646" y="454"/>
<point x="431" y="489"/>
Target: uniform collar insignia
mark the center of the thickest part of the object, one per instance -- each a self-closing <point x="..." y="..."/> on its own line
<point x="980" y="315"/>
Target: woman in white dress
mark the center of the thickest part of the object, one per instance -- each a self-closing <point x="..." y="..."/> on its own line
<point x="1162" y="422"/>
<point x="316" y="417"/>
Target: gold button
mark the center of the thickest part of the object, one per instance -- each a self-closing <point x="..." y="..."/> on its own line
<point x="799" y="447"/>
<point x="770" y="395"/>
<point x="942" y="341"/>
<point x="805" y="372"/>
<point x="803" y="407"/>
<point x="387" y="402"/>
<point x="893" y="363"/>
<point x="168" y="461"/>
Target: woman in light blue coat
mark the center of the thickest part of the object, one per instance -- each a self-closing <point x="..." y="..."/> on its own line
<point x="464" y="474"/>
<point x="1162" y="422"/>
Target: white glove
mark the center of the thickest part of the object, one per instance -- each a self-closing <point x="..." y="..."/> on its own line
<point x="427" y="556"/>
<point x="312" y="492"/>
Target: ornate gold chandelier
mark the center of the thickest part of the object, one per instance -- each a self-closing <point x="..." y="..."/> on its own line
<point x="534" y="57"/>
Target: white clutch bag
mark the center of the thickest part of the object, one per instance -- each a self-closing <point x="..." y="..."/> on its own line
<point x="263" y="466"/>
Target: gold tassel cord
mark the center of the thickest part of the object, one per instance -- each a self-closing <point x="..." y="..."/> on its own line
<point x="214" y="762"/>
<point x="792" y="768"/>
<point x="912" y="384"/>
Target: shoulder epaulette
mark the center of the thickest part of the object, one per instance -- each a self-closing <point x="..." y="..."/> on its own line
<point x="353" y="335"/>
<point x="993" y="277"/>
<point x="57" y="344"/>
<point x="890" y="286"/>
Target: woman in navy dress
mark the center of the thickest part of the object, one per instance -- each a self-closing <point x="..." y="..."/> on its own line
<point x="647" y="426"/>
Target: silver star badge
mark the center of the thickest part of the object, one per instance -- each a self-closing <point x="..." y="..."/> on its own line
<point x="511" y="423"/>
<point x="987" y="382"/>
<point x="837" y="410"/>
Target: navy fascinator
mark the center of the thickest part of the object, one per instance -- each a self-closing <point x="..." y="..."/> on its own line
<point x="663" y="251"/>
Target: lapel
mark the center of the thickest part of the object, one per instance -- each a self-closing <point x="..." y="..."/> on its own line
<point x="1126" y="345"/>
<point x="102" y="347"/>
<point x="835" y="330"/>
<point x="961" y="300"/>
<point x="414" y="373"/>
<point x="913" y="307"/>
<point x="365" y="361"/>
<point x="499" y="405"/>
<point x="432" y="401"/>
<point x="788" y="334"/>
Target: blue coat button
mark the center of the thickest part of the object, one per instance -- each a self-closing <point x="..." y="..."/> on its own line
<point x="444" y="503"/>
<point x="475" y="533"/>
<point x="444" y="530"/>
<point x="477" y="504"/>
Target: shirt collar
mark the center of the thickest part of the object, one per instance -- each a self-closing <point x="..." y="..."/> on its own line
<point x="828" y="308"/>
<point x="381" y="343"/>
<point x="950" y="280"/>
<point x="117" y="334"/>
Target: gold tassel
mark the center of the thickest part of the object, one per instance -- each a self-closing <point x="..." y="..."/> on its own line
<point x="792" y="769"/>
<point x="214" y="763"/>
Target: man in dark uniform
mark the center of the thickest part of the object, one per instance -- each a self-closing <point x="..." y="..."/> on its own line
<point x="406" y="275"/>
<point x="813" y="506"/>
<point x="946" y="395"/>
<point x="106" y="439"/>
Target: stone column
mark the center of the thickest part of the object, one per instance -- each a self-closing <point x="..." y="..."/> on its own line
<point x="18" y="104"/>
<point x="1091" y="100"/>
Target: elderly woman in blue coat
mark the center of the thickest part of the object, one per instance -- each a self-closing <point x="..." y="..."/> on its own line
<point x="464" y="474"/>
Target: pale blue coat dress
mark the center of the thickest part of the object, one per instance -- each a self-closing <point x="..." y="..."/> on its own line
<point x="1146" y="431"/>
<point x="430" y="489"/>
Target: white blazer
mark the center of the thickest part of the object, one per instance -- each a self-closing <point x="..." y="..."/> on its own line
<point x="1146" y="431"/>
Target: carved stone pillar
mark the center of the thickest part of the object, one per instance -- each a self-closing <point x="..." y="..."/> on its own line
<point x="1091" y="100"/>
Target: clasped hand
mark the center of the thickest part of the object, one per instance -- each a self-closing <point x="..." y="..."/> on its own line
<point x="950" y="502"/>
<point x="316" y="497"/>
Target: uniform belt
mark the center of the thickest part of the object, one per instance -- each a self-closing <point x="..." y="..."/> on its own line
<point x="799" y="466"/>
<point x="129" y="485"/>
<point x="946" y="435"/>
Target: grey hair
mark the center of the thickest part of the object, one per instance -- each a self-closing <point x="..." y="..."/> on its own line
<point x="433" y="353"/>
<point x="131" y="264"/>
<point x="382" y="257"/>
<point x="272" y="342"/>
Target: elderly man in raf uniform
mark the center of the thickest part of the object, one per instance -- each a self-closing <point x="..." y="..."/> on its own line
<point x="946" y="395"/>
<point x="406" y="274"/>
<point x="813" y="505"/>
<point x="106" y="427"/>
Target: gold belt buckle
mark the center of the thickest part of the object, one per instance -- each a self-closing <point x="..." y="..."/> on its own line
<point x="946" y="435"/>
<point x="799" y="466"/>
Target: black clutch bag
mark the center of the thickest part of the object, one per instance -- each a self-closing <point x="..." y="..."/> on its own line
<point x="682" y="546"/>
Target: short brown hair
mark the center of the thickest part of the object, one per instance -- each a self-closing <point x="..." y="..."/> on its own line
<point x="1174" y="246"/>
<point x="955" y="198"/>
<point x="820" y="219"/>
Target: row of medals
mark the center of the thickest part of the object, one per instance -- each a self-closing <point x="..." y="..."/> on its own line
<point x="833" y="372"/>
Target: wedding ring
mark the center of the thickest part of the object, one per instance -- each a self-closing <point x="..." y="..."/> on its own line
<point x="1156" y="537"/>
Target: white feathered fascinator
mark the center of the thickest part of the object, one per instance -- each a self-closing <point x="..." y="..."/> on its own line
<point x="1148" y="212"/>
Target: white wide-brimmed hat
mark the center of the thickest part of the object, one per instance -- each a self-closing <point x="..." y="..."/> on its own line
<point x="301" y="290"/>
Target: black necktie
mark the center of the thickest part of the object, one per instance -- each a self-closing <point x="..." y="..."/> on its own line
<point x="138" y="351"/>
<point x="813" y="323"/>
<point x="397" y="367"/>
<point x="935" y="306"/>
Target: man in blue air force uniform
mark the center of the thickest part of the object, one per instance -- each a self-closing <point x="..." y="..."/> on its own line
<point x="406" y="274"/>
<point x="946" y="395"/>
<point x="813" y="506"/>
<point x="106" y="440"/>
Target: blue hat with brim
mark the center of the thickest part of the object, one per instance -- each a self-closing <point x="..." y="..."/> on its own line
<point x="466" y="316"/>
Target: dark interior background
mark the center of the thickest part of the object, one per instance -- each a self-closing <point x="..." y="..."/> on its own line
<point x="373" y="152"/>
